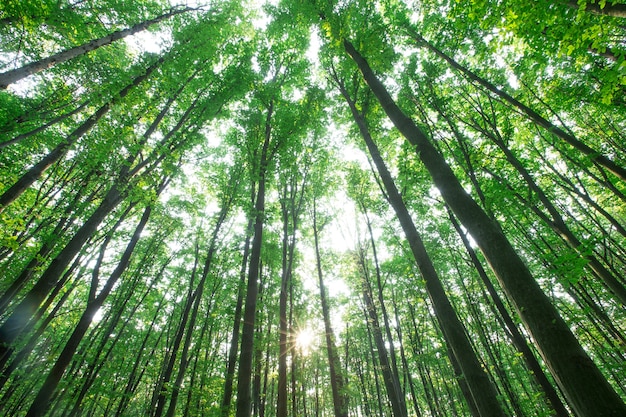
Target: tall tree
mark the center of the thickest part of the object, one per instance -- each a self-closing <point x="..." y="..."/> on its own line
<point x="584" y="384"/>
<point x="9" y="77"/>
<point x="337" y="378"/>
<point x="483" y="393"/>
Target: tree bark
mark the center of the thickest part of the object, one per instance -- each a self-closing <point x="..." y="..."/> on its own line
<point x="586" y="389"/>
<point x="483" y="392"/>
<point x="9" y="77"/>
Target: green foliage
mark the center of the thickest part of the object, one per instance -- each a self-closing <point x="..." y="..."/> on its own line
<point x="228" y="77"/>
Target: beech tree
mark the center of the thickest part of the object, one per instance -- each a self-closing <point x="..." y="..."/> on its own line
<point x="306" y="208"/>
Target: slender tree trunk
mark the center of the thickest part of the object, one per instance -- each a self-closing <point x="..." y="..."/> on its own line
<point x="418" y="350"/>
<point x="24" y="311"/>
<point x="516" y="337"/>
<point x="380" y="295"/>
<point x="337" y="379"/>
<point x="391" y="380"/>
<point x="586" y="389"/>
<point x="555" y="221"/>
<point x="283" y="329"/>
<point x="32" y="132"/>
<point x="35" y="172"/>
<point x="9" y="77"/>
<point x="375" y="366"/>
<point x="483" y="392"/>
<point x="405" y="362"/>
<point x="291" y="205"/>
<point x="182" y="367"/>
<point x="244" y="399"/>
<point x="263" y="388"/>
<point x="133" y="378"/>
<point x="234" y="340"/>
<point x="41" y="402"/>
<point x="163" y="384"/>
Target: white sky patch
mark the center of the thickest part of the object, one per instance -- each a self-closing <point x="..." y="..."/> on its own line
<point x="145" y="41"/>
<point x="262" y="19"/>
<point x="312" y="53"/>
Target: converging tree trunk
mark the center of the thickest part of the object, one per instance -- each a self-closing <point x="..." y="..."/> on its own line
<point x="482" y="390"/>
<point x="586" y="389"/>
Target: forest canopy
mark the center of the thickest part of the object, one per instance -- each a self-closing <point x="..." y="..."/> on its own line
<point x="313" y="208"/>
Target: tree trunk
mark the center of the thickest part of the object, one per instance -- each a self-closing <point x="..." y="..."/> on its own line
<point x="391" y="380"/>
<point x="405" y="363"/>
<point x="163" y="384"/>
<point x="283" y="329"/>
<point x="41" y="402"/>
<point x="14" y="324"/>
<point x="182" y="367"/>
<point x="63" y="147"/>
<point x="380" y="295"/>
<point x="516" y="337"/>
<point x="234" y="339"/>
<point x="244" y="399"/>
<point x="337" y="379"/>
<point x="483" y="392"/>
<point x="9" y="77"/>
<point x="586" y="389"/>
<point x="32" y="132"/>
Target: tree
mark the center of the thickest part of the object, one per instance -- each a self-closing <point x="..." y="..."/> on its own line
<point x="337" y="379"/>
<point x="483" y="394"/>
<point x="541" y="318"/>
<point x="9" y="77"/>
<point x="329" y="214"/>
